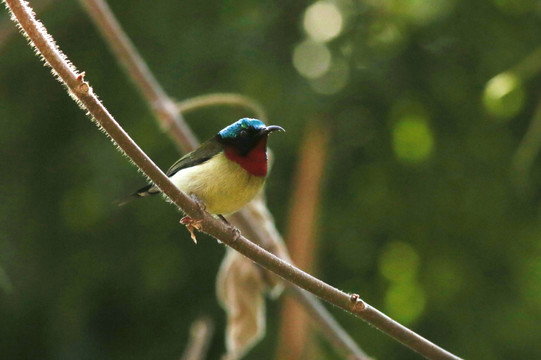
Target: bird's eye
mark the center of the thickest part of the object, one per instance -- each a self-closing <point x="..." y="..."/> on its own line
<point x="243" y="133"/>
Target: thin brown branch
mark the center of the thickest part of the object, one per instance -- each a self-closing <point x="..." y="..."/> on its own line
<point x="334" y="332"/>
<point x="7" y="30"/>
<point x="164" y="108"/>
<point x="82" y="92"/>
<point x="200" y="335"/>
<point x="301" y="236"/>
<point x="255" y="218"/>
<point x="216" y="99"/>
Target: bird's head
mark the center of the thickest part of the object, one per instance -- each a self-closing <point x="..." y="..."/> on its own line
<point x="246" y="135"/>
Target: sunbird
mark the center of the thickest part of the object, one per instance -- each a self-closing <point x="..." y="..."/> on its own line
<point x="226" y="171"/>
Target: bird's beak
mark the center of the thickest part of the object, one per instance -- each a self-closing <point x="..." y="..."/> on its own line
<point x="272" y="128"/>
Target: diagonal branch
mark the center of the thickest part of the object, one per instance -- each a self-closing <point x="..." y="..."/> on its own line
<point x="6" y="27"/>
<point x="81" y="91"/>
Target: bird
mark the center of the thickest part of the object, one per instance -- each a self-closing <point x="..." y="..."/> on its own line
<point x="225" y="172"/>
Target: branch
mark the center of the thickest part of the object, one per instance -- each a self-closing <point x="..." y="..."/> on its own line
<point x="7" y="29"/>
<point x="334" y="332"/>
<point x="202" y="101"/>
<point x="81" y="91"/>
<point x="200" y="335"/>
<point x="254" y="218"/>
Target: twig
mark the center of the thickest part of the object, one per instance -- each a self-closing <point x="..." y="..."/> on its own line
<point x="248" y="219"/>
<point x="330" y="327"/>
<point x="269" y="238"/>
<point x="200" y="335"/>
<point x="230" y="99"/>
<point x="170" y="120"/>
<point x="7" y="29"/>
<point x="83" y="94"/>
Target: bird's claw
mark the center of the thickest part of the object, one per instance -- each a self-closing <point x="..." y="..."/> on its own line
<point x="192" y="225"/>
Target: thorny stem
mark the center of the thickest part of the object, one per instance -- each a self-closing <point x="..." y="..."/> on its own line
<point x="6" y="26"/>
<point x="82" y="92"/>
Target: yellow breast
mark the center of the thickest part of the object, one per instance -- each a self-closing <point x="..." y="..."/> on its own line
<point x="223" y="185"/>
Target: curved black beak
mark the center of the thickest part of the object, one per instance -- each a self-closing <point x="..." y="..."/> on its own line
<point x="272" y="128"/>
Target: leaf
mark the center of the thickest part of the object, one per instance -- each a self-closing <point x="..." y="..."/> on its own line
<point x="240" y="289"/>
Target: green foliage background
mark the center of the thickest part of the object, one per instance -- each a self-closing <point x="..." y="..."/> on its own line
<point x="421" y="211"/>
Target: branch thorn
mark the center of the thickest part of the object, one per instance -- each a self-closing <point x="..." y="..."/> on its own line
<point x="358" y="304"/>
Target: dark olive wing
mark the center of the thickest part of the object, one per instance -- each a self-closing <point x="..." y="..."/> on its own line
<point x="203" y="153"/>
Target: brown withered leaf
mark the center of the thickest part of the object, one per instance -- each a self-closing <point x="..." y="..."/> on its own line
<point x="240" y="289"/>
<point x="242" y="285"/>
<point x="268" y="238"/>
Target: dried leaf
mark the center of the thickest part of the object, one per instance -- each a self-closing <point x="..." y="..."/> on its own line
<point x="242" y="285"/>
<point x="272" y="242"/>
<point x="240" y="289"/>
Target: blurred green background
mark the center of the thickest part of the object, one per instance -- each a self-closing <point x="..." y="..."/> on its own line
<point x="430" y="206"/>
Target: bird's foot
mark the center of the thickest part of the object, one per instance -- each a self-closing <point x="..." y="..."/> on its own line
<point x="192" y="225"/>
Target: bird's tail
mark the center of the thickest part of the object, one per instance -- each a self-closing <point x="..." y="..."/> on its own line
<point x="143" y="192"/>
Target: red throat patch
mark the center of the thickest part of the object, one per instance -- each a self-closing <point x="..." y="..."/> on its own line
<point x="255" y="161"/>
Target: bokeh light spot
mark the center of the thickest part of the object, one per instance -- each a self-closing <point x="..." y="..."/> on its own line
<point x="504" y="95"/>
<point x="412" y="139"/>
<point x="399" y="262"/>
<point x="405" y="302"/>
<point x="323" y="21"/>
<point x="333" y="80"/>
<point x="311" y="59"/>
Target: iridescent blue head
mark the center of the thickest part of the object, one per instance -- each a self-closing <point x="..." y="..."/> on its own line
<point x="245" y="134"/>
<point x="246" y="124"/>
